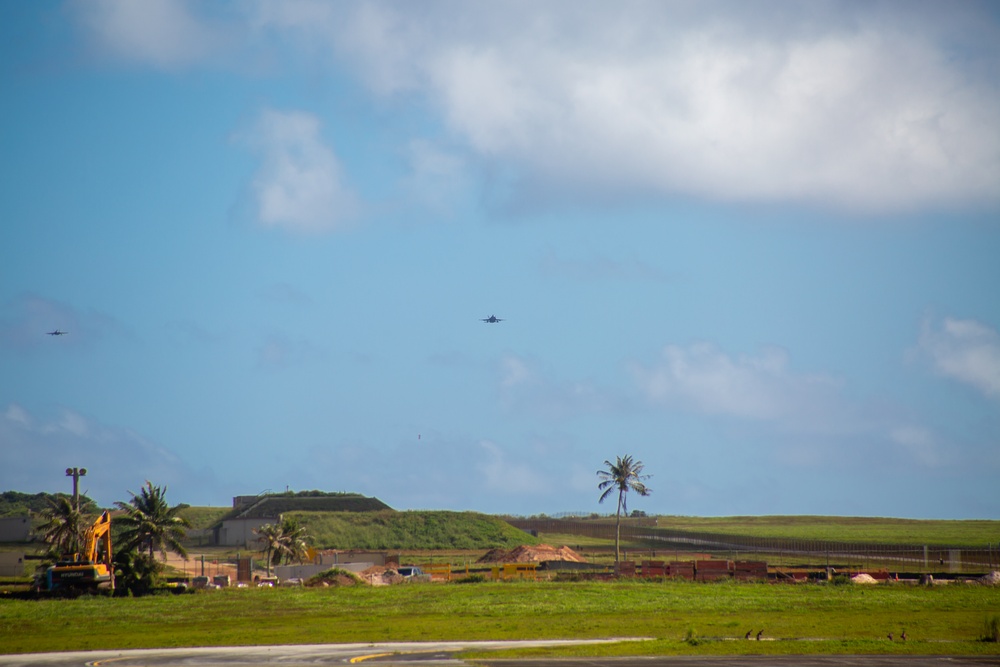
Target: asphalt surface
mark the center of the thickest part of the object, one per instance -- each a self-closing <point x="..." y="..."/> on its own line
<point x="757" y="661"/>
<point x="441" y="653"/>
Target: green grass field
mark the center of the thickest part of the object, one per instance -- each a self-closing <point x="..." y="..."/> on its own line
<point x="845" y="529"/>
<point x="676" y="617"/>
<point x="797" y="618"/>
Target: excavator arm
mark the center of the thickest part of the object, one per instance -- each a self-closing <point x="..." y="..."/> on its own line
<point x="97" y="548"/>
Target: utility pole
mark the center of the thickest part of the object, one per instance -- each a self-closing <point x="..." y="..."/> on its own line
<point x="76" y="474"/>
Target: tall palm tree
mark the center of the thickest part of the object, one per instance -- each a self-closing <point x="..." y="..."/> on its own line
<point x="624" y="475"/>
<point x="150" y="523"/>
<point x="64" y="525"/>
<point x="272" y="542"/>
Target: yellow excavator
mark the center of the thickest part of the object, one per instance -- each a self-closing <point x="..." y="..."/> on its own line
<point x="88" y="570"/>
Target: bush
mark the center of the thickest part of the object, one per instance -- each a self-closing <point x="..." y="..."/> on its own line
<point x="991" y="630"/>
<point x="471" y="579"/>
<point x="136" y="574"/>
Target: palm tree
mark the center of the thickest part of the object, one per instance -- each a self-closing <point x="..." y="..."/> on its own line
<point x="64" y="525"/>
<point x="282" y="541"/>
<point x="152" y="524"/>
<point x="295" y="540"/>
<point x="624" y="475"/>
<point x="272" y="540"/>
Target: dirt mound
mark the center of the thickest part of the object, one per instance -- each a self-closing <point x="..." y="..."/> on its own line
<point x="864" y="578"/>
<point x="382" y="575"/>
<point x="531" y="554"/>
<point x="991" y="579"/>
<point x="494" y="556"/>
<point x="334" y="577"/>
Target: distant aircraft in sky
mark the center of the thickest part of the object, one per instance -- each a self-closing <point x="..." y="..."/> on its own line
<point x="57" y="333"/>
<point x="492" y="319"/>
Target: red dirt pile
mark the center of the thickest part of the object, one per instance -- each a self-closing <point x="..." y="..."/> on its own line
<point x="528" y="554"/>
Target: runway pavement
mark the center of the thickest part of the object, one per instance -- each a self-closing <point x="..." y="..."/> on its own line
<point x="442" y="653"/>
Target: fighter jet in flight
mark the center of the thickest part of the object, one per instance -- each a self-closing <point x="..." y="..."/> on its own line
<point x="57" y="333"/>
<point x="492" y="319"/>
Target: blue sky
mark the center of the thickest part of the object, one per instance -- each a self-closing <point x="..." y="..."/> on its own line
<point x="755" y="245"/>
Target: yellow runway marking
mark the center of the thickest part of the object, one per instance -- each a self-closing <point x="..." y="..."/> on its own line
<point x="361" y="658"/>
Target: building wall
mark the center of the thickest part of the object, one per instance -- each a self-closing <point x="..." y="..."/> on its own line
<point x="15" y="529"/>
<point x="11" y="564"/>
<point x="286" y="572"/>
<point x="340" y="558"/>
<point x="239" y="532"/>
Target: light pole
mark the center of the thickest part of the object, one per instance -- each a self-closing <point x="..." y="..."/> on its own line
<point x="76" y="474"/>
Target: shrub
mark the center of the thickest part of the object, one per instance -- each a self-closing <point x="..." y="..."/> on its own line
<point x="991" y="630"/>
<point x="136" y="574"/>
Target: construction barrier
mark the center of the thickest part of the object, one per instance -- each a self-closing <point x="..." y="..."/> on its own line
<point x="438" y="572"/>
<point x="747" y="570"/>
<point x="711" y="570"/>
<point x="516" y="571"/>
<point x="654" y="568"/>
<point x="682" y="569"/>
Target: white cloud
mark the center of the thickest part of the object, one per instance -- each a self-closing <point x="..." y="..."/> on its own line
<point x="916" y="443"/>
<point x="762" y="387"/>
<point x="805" y="417"/>
<point x="514" y="371"/>
<point x="437" y="178"/>
<point x="499" y="473"/>
<point x="866" y="106"/>
<point x="17" y="415"/>
<point x="661" y="97"/>
<point x="525" y="387"/>
<point x="160" y="33"/>
<point x="299" y="185"/>
<point x="37" y="449"/>
<point x="964" y="350"/>
<point x="70" y="423"/>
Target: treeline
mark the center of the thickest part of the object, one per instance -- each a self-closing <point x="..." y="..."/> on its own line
<point x="15" y="503"/>
<point x="315" y="494"/>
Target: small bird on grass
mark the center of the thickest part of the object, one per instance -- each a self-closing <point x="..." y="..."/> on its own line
<point x="747" y="635"/>
<point x="759" y="634"/>
<point x="902" y="635"/>
<point x="890" y="636"/>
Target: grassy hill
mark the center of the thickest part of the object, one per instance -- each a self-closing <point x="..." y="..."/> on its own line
<point x="411" y="530"/>
<point x="203" y="517"/>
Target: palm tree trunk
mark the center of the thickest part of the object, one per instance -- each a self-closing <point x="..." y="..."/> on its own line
<point x="618" y="531"/>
